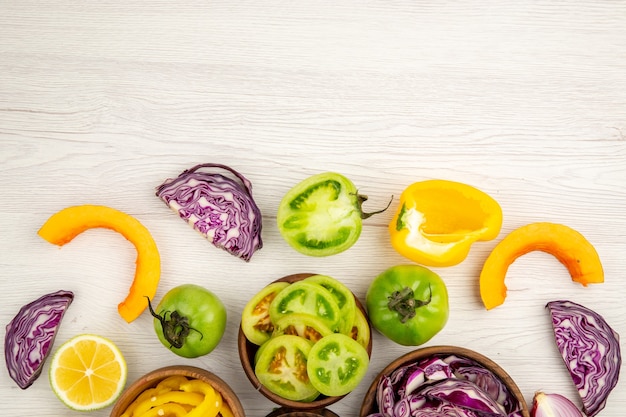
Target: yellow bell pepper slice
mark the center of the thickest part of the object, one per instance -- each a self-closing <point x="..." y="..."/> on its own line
<point x="212" y="402"/>
<point x="570" y="247"/>
<point x="68" y="223"/>
<point x="437" y="221"/>
<point x="166" y="410"/>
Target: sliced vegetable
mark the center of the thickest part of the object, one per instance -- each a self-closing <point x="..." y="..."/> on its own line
<point x="30" y="336"/>
<point x="570" y="247"/>
<point x="282" y="367"/>
<point x="360" y="330"/>
<point x="342" y="295"/>
<point x="179" y="396"/>
<point x="322" y="215"/>
<point x="433" y="387"/>
<point x="590" y="349"/>
<point x="305" y="297"/>
<point x="553" y="405"/>
<point x="464" y="368"/>
<point x="408" y="304"/>
<point x="337" y="364"/>
<point x="306" y="307"/>
<point x="437" y="221"/>
<point x="255" y="317"/>
<point x="68" y="223"/>
<point x="304" y="325"/>
<point x="462" y="393"/>
<point x="221" y="208"/>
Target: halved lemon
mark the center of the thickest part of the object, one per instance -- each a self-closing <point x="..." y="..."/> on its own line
<point x="88" y="372"/>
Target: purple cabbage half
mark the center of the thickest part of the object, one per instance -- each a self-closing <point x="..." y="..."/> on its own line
<point x="444" y="386"/>
<point x="590" y="349"/>
<point x="221" y="208"/>
<point x="30" y="335"/>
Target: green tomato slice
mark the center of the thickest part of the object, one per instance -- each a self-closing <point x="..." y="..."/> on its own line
<point x="337" y="364"/>
<point x="307" y="298"/>
<point x="255" y="318"/>
<point x="342" y="295"/>
<point x="321" y="215"/>
<point x="282" y="367"/>
<point x="360" y="330"/>
<point x="303" y="325"/>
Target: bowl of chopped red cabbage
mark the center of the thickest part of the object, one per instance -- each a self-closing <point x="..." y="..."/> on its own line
<point x="443" y="380"/>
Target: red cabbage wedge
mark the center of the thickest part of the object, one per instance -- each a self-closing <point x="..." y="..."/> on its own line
<point x="220" y="207"/>
<point x="30" y="335"/>
<point x="590" y="349"/>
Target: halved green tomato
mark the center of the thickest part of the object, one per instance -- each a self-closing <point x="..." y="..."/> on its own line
<point x="304" y="297"/>
<point x="337" y="364"/>
<point x="321" y="215"/>
<point x="255" y="317"/>
<point x="303" y="325"/>
<point x="282" y="368"/>
<point x="360" y="330"/>
<point x="343" y="296"/>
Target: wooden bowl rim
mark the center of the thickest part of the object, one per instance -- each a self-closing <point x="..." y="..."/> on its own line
<point x="367" y="406"/>
<point x="247" y="349"/>
<point x="152" y="378"/>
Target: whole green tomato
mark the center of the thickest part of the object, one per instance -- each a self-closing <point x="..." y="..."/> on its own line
<point x="408" y="304"/>
<point x="190" y="320"/>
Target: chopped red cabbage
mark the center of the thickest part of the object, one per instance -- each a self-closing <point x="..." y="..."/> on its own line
<point x="30" y="335"/>
<point x="463" y="393"/>
<point x="221" y="208"/>
<point x="590" y="349"/>
<point x="444" y="385"/>
<point x="468" y="369"/>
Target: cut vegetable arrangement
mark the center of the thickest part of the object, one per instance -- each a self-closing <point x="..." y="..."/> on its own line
<point x="310" y="335"/>
<point x="313" y="339"/>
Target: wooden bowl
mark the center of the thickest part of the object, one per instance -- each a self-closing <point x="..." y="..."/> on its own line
<point x="151" y="379"/>
<point x="247" y="350"/>
<point x="369" y="405"/>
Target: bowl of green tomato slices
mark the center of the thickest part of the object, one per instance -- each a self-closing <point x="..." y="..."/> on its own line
<point x="305" y="341"/>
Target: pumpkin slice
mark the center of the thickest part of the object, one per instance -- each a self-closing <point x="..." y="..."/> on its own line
<point x="570" y="247"/>
<point x="68" y="223"/>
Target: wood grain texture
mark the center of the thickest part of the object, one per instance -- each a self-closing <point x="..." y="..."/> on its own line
<point x="102" y="101"/>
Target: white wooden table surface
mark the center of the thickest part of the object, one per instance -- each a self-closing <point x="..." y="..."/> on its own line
<point x="101" y="101"/>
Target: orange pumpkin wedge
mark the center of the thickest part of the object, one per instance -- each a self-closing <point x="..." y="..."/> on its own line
<point x="570" y="247"/>
<point x="68" y="223"/>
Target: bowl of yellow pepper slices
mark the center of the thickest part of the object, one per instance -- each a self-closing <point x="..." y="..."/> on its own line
<point x="181" y="391"/>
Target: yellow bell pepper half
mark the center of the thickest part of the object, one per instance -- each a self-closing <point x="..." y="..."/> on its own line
<point x="437" y="221"/>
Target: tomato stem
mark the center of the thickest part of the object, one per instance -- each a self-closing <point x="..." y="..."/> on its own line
<point x="404" y="303"/>
<point x="175" y="329"/>
<point x="362" y="199"/>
